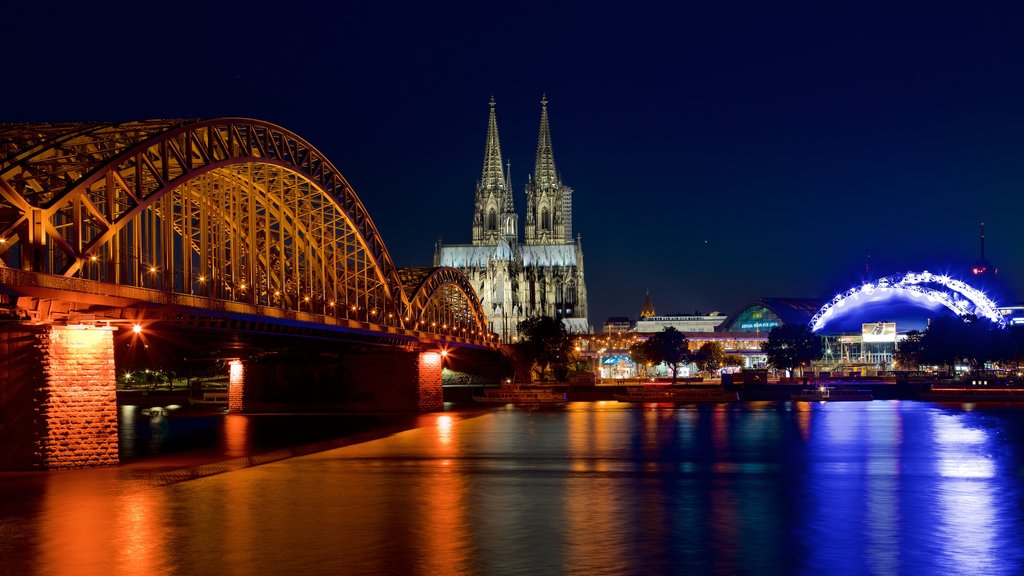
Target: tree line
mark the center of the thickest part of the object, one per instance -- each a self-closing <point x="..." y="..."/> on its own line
<point x="971" y="341"/>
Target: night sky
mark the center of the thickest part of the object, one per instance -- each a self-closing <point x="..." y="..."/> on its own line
<point x="718" y="153"/>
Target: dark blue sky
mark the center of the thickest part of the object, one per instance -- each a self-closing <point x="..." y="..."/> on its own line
<point x="718" y="153"/>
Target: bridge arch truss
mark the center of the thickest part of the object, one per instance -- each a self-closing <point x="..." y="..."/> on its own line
<point x="444" y="298"/>
<point x="229" y="209"/>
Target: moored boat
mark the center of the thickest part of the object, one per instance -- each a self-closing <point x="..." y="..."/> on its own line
<point x="674" y="394"/>
<point x="831" y="394"/>
<point x="517" y="394"/>
<point x="974" y="394"/>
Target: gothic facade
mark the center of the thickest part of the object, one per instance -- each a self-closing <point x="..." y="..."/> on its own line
<point x="543" y="274"/>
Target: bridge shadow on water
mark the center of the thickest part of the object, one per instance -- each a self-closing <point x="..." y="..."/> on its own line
<point x="168" y="444"/>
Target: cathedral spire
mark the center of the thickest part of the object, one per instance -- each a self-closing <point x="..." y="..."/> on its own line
<point x="548" y="201"/>
<point x="493" y="177"/>
<point x="509" y="207"/>
<point x="494" y="218"/>
<point x="647" y="310"/>
<point x="544" y="171"/>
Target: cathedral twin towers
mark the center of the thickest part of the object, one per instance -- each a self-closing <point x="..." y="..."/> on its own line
<point x="543" y="274"/>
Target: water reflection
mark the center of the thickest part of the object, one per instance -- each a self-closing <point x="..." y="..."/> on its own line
<point x="89" y="524"/>
<point x="589" y="488"/>
<point x="965" y="493"/>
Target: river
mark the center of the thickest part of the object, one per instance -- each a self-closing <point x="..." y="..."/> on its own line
<point x="882" y="487"/>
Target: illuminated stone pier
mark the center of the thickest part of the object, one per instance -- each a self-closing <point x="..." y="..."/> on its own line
<point x="58" y="407"/>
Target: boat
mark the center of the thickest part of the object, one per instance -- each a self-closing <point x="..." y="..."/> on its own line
<point x="831" y="394"/>
<point x="974" y="394"/>
<point x="674" y="394"/>
<point x="518" y="394"/>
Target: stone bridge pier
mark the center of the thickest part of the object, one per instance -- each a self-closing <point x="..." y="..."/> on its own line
<point x="58" y="400"/>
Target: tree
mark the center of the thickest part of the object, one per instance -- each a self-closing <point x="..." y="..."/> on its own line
<point x="638" y="353"/>
<point x="709" y="356"/>
<point x="545" y="342"/>
<point x="1011" y="346"/>
<point x="790" y="346"/>
<point x="734" y="360"/>
<point x="950" y="339"/>
<point x="669" y="346"/>
<point x="940" y="342"/>
<point x="908" y="356"/>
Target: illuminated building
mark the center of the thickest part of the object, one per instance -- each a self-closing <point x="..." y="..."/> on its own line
<point x="617" y="325"/>
<point x="683" y="323"/>
<point x="864" y="325"/>
<point x="743" y="331"/>
<point x="541" y="276"/>
<point x="650" y="322"/>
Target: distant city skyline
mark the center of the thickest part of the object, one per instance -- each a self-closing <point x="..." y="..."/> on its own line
<point x="717" y="153"/>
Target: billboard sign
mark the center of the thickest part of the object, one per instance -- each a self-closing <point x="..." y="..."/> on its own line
<point x="878" y="332"/>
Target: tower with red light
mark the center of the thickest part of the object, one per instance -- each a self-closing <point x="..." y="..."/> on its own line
<point x="983" y="267"/>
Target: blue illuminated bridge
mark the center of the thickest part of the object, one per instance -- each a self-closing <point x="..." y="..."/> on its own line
<point x="231" y="233"/>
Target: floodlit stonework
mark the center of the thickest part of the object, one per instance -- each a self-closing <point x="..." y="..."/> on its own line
<point x="543" y="274"/>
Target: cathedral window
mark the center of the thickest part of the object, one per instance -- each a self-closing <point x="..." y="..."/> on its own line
<point x="545" y="219"/>
<point x="492" y="220"/>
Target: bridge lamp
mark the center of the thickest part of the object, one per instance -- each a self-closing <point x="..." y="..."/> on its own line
<point x="152" y="269"/>
<point x="92" y="258"/>
<point x="331" y="303"/>
<point x="202" y="278"/>
<point x="306" y="299"/>
<point x="137" y="328"/>
<point x="3" y="240"/>
<point x="444" y="353"/>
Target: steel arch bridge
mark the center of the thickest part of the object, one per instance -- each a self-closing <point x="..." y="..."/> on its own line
<point x="959" y="297"/>
<point x="228" y="210"/>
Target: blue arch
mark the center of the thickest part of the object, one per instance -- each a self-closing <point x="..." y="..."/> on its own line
<point x="959" y="297"/>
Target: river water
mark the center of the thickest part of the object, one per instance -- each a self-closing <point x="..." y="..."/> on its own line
<point x="883" y="487"/>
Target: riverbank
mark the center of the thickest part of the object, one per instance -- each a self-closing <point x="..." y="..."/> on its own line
<point x="880" y="389"/>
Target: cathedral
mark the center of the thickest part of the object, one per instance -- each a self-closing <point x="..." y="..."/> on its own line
<point x="542" y="275"/>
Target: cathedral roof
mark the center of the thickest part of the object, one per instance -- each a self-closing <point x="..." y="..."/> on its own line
<point x="493" y="176"/>
<point x="549" y="254"/>
<point x="471" y="255"/>
<point x="468" y="255"/>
